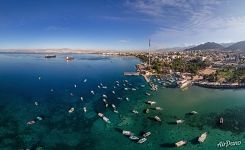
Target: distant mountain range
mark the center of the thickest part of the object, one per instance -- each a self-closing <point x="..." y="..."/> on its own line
<point x="223" y="46"/>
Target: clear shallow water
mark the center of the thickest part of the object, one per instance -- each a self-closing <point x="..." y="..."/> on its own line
<point x="20" y="88"/>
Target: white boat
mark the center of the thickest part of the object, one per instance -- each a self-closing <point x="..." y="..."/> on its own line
<point x="71" y="110"/>
<point x="100" y="115"/>
<point x="39" y="78"/>
<point x="127" y="99"/>
<point x="124" y="84"/>
<point x="36" y="103"/>
<point x="127" y="133"/>
<point x="147" y="111"/>
<point x="85" y="80"/>
<point x="75" y="85"/>
<point x="221" y="120"/>
<point x="113" y="106"/>
<point x="92" y="92"/>
<point x="125" y="89"/>
<point x="106" y="119"/>
<point x="132" y="137"/>
<point x="151" y="102"/>
<point x="180" y="143"/>
<point x="104" y="96"/>
<point x="81" y="98"/>
<point x="146" y="134"/>
<point x="157" y="119"/>
<point x="126" y="81"/>
<point x="142" y="140"/>
<point x="203" y="137"/>
<point x="193" y="112"/>
<point x="98" y="86"/>
<point x="104" y="87"/>
<point x="117" y="81"/>
<point x="85" y="109"/>
<point x="113" y="92"/>
<point x="179" y="121"/>
<point x="133" y="89"/>
<point x="119" y="98"/>
<point x="69" y="58"/>
<point x="158" y="108"/>
<point x="142" y="85"/>
<point x="135" y="111"/>
<point x="117" y="84"/>
<point x="148" y="94"/>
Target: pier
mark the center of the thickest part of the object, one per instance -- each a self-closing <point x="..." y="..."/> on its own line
<point x="216" y="85"/>
<point x="131" y="73"/>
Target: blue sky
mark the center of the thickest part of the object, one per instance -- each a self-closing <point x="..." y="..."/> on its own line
<point x="119" y="24"/>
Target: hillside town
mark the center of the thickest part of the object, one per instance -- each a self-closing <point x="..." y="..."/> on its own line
<point x="209" y="68"/>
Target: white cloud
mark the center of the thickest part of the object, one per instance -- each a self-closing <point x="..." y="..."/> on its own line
<point x="190" y="21"/>
<point x="124" y="41"/>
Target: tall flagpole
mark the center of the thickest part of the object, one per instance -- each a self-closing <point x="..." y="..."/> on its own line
<point x="149" y="52"/>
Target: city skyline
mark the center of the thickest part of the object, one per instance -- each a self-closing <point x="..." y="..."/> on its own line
<point x="117" y="25"/>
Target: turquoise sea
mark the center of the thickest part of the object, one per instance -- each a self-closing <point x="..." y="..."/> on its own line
<point x="56" y="86"/>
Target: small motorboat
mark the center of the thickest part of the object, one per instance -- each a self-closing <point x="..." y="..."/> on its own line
<point x="133" y="89"/>
<point x="193" y="112"/>
<point x="158" y="108"/>
<point x="71" y="110"/>
<point x="92" y="92"/>
<point x="68" y="58"/>
<point x="142" y="140"/>
<point x="100" y="115"/>
<point x="203" y="137"/>
<point x="85" y="80"/>
<point x="125" y="89"/>
<point x="157" y="119"/>
<point x="147" y="110"/>
<point x="81" y="98"/>
<point x="36" y="103"/>
<point x="146" y="134"/>
<point x="135" y="111"/>
<point x="127" y="99"/>
<point x="85" y="109"/>
<point x="132" y="137"/>
<point x="50" y="56"/>
<point x="104" y="87"/>
<point x="106" y="119"/>
<point x="31" y="122"/>
<point x="151" y="102"/>
<point x="179" y="121"/>
<point x="148" y="94"/>
<point x="127" y="133"/>
<point x="180" y="143"/>
<point x="113" y="92"/>
<point x="104" y="96"/>
<point x="39" y="118"/>
<point x="221" y="120"/>
<point x="98" y="86"/>
<point x="75" y="85"/>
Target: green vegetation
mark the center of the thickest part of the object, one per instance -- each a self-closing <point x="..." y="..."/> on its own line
<point x="227" y="75"/>
<point x="191" y="66"/>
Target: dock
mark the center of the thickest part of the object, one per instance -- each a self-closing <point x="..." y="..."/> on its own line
<point x="131" y="73"/>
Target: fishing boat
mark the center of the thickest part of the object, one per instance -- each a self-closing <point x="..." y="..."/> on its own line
<point x="158" y="108"/>
<point x="151" y="102"/>
<point x="203" y="137"/>
<point x="127" y="133"/>
<point x="132" y="137"/>
<point x="85" y="109"/>
<point x="180" y="143"/>
<point x="135" y="111"/>
<point x="92" y="92"/>
<point x="179" y="121"/>
<point x="146" y="134"/>
<point x="69" y="58"/>
<point x="157" y="119"/>
<point x="142" y="140"/>
<point x="221" y="120"/>
<point x="71" y="110"/>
